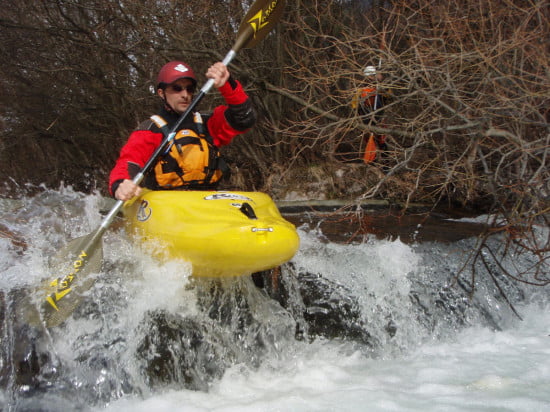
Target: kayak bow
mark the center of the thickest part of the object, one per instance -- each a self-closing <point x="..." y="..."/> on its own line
<point x="220" y="233"/>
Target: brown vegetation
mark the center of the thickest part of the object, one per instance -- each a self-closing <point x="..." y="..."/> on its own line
<point x="467" y="124"/>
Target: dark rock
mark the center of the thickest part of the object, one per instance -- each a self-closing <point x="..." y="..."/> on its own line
<point x="180" y="351"/>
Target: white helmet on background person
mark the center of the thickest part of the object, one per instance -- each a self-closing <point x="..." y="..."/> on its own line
<point x="369" y="71"/>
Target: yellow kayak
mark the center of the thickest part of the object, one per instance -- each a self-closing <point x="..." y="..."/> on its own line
<point x="221" y="233"/>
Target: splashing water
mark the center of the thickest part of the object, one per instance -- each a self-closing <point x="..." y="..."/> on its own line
<point x="378" y="325"/>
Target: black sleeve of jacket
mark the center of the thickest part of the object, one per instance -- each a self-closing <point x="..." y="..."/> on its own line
<point x="240" y="116"/>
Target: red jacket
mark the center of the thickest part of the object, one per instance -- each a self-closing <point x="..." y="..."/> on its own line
<point x="223" y="125"/>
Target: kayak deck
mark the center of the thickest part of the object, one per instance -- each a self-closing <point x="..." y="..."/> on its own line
<point x="220" y="233"/>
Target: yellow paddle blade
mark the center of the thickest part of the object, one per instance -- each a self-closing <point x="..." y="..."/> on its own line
<point x="75" y="268"/>
<point x="370" y="150"/>
<point x="258" y="21"/>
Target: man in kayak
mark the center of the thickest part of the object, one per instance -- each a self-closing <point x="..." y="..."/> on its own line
<point x="192" y="161"/>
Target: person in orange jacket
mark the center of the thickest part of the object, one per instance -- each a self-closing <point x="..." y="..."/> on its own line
<point x="369" y="105"/>
<point x="192" y="161"/>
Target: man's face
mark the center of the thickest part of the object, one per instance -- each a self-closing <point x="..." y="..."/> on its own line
<point x="178" y="94"/>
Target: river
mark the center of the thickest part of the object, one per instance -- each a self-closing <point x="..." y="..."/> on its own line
<point x="374" y="313"/>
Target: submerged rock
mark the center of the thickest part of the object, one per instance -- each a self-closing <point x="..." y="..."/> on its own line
<point x="25" y="362"/>
<point x="234" y="324"/>
<point x="178" y="351"/>
<point x="320" y="307"/>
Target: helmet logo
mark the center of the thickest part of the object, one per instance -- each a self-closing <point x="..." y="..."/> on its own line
<point x="181" y="68"/>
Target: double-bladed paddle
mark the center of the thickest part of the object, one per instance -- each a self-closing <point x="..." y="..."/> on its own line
<point x="82" y="257"/>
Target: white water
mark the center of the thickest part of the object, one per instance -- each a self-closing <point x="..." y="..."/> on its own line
<point x="453" y="369"/>
<point x="476" y="369"/>
<point x="479" y="370"/>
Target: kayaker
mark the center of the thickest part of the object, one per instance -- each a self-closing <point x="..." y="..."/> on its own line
<point x="193" y="160"/>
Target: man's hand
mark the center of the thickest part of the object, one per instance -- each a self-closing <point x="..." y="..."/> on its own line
<point x="219" y="73"/>
<point x="127" y="190"/>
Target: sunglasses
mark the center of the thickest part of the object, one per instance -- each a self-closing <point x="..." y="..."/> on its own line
<point x="178" y="88"/>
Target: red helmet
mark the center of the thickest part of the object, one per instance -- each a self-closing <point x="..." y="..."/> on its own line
<point x="173" y="71"/>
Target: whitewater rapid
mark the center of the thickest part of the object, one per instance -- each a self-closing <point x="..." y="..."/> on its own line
<point x="477" y="370"/>
<point x="412" y="340"/>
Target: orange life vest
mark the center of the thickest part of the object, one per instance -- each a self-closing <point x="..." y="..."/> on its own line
<point x="369" y="101"/>
<point x="192" y="159"/>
